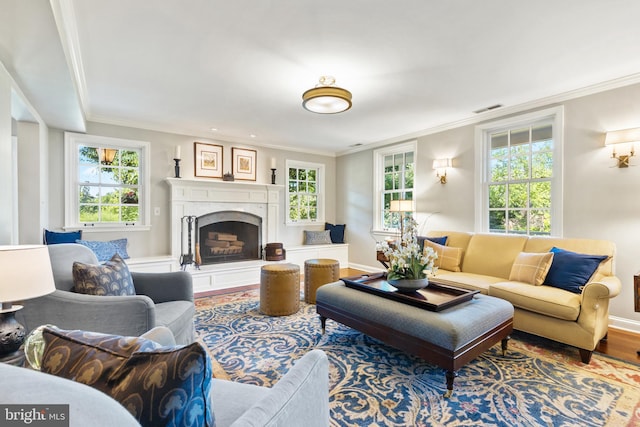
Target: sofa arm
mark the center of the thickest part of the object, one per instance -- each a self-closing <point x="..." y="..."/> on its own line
<point x="120" y="315"/>
<point x="300" y="398"/>
<point x="164" y="287"/>
<point x="606" y="287"/>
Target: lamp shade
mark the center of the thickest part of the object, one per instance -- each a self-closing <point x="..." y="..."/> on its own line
<point x="401" y="206"/>
<point x="621" y="136"/>
<point x="26" y="272"/>
<point x="441" y="163"/>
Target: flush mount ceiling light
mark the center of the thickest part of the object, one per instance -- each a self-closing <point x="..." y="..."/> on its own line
<point x="326" y="98"/>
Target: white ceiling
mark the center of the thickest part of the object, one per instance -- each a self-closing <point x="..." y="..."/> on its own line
<point x="241" y="66"/>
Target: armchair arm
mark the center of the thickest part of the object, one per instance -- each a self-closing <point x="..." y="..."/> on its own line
<point x="120" y="315"/>
<point x="300" y="397"/>
<point x="163" y="287"/>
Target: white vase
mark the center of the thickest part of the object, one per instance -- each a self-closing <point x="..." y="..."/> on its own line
<point x="409" y="285"/>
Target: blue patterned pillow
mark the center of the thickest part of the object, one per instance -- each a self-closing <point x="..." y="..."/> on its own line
<point x="317" y="237"/>
<point x="160" y="386"/>
<point x="571" y="270"/>
<point x="55" y="237"/>
<point x="105" y="250"/>
<point x="109" y="278"/>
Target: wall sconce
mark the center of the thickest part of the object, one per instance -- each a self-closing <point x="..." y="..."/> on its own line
<point x="440" y="166"/>
<point x="625" y="136"/>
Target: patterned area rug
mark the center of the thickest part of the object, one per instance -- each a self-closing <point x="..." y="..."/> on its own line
<point x="538" y="382"/>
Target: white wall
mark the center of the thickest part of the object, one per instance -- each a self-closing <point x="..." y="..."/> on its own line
<point x="6" y="178"/>
<point x="601" y="201"/>
<point x="157" y="240"/>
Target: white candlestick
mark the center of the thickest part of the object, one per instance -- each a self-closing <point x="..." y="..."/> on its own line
<point x="176" y="154"/>
<point x="273" y="163"/>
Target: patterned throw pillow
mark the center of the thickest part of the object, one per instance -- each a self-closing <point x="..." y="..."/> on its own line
<point x="109" y="278"/>
<point x="160" y="386"/>
<point x="105" y="250"/>
<point x="317" y="237"/>
<point x="449" y="258"/>
<point x="531" y="268"/>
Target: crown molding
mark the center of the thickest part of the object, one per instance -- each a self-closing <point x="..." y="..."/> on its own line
<point x="504" y="111"/>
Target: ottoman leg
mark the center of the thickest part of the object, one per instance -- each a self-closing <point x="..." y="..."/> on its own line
<point x="504" y="343"/>
<point x="323" y="323"/>
<point x="450" y="375"/>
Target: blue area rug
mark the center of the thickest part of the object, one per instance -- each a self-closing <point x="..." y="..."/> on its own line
<point x="538" y="382"/>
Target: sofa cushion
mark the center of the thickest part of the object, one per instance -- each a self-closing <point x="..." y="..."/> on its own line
<point x="571" y="270"/>
<point x="110" y="278"/>
<point x="449" y="258"/>
<point x="531" y="268"/>
<point x="492" y="254"/>
<point x="468" y="281"/>
<point x="546" y="300"/>
<point x="158" y="385"/>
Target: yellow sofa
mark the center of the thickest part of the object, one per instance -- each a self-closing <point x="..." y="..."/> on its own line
<point x="485" y="264"/>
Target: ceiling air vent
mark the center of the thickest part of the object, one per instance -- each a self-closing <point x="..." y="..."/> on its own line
<point x="492" y="107"/>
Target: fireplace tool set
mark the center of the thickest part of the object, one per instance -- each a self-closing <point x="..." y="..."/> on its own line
<point x="192" y="239"/>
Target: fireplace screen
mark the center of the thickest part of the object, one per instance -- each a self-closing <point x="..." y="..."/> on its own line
<point x="229" y="236"/>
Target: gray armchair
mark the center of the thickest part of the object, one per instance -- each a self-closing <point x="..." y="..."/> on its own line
<point x="163" y="299"/>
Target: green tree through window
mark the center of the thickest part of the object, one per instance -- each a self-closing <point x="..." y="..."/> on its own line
<point x="520" y="180"/>
<point x="108" y="185"/>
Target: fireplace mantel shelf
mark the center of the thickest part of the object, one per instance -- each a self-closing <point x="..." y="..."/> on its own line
<point x="204" y="182"/>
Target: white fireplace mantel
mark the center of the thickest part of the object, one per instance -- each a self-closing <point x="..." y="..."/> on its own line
<point x="201" y="196"/>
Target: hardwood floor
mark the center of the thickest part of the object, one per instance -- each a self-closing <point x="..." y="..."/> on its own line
<point x="620" y="343"/>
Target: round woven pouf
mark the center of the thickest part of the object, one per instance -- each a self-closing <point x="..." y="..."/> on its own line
<point x="279" y="289"/>
<point x="318" y="272"/>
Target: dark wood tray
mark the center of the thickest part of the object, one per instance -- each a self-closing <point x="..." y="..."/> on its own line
<point x="435" y="297"/>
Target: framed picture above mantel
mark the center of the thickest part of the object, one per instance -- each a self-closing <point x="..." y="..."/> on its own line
<point x="243" y="163"/>
<point x="207" y="160"/>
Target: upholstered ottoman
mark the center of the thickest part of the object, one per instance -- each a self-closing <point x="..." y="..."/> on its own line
<point x="279" y="289"/>
<point x="449" y="338"/>
<point x="318" y="272"/>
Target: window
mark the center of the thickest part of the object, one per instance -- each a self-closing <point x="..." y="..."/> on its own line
<point x="305" y="192"/>
<point x="107" y="182"/>
<point x="521" y="178"/>
<point x="394" y="170"/>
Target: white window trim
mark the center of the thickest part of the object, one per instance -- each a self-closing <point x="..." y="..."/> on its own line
<point x="378" y="182"/>
<point x="556" y="114"/>
<point x="71" y="143"/>
<point x="320" y="187"/>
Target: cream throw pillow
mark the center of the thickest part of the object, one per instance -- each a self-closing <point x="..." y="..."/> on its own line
<point x="531" y="267"/>
<point x="448" y="257"/>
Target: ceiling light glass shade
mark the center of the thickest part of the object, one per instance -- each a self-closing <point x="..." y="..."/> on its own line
<point x="326" y="99"/>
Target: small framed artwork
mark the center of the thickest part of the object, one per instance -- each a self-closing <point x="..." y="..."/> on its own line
<point x="244" y="163"/>
<point x="208" y="160"/>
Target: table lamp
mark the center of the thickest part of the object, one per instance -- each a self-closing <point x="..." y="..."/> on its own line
<point x="26" y="273"/>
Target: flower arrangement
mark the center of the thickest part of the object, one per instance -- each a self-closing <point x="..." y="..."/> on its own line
<point x="406" y="259"/>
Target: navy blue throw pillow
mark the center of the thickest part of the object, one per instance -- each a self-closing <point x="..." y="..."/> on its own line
<point x="571" y="270"/>
<point x="55" y="237"/>
<point x="439" y="240"/>
<point x="336" y="232"/>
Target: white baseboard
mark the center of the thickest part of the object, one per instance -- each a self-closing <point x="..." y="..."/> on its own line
<point x="626" y="324"/>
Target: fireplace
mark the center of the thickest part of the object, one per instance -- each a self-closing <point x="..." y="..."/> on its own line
<point x="229" y="236"/>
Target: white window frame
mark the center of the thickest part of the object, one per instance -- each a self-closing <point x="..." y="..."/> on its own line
<point x="320" y="177"/>
<point x="378" y="182"/>
<point x="482" y="144"/>
<point x="71" y="216"/>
